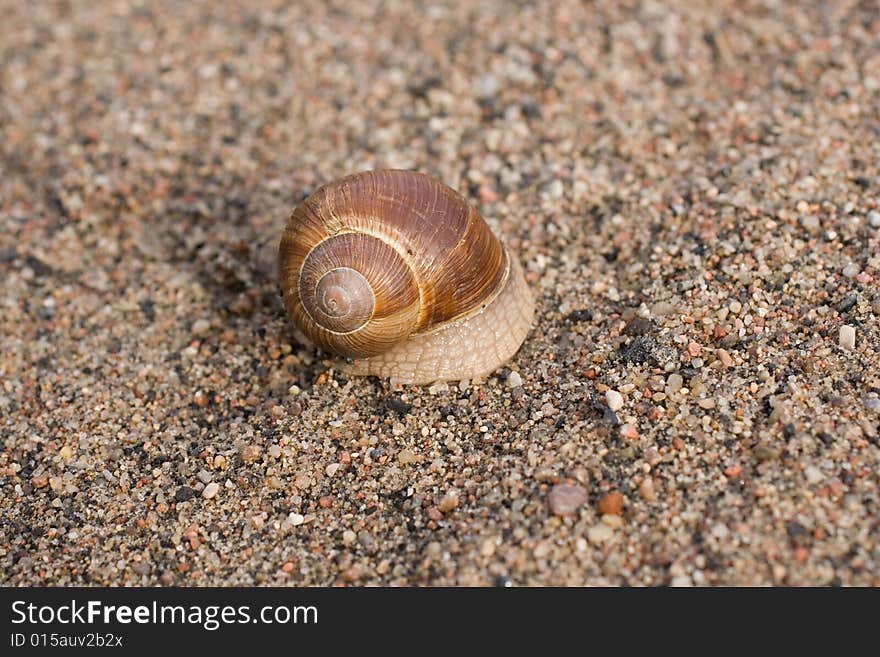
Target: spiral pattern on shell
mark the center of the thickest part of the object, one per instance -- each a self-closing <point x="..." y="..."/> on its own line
<point x="373" y="259"/>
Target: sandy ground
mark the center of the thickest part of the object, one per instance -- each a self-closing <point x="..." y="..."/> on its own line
<point x="692" y="189"/>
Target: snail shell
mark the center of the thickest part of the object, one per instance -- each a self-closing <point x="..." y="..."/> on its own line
<point x="397" y="271"/>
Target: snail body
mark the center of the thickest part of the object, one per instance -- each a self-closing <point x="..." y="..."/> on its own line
<point x="397" y="272"/>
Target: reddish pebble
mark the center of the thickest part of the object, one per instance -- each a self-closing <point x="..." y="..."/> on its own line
<point x="487" y="194"/>
<point x="288" y="567"/>
<point x="611" y="503"/>
<point x="694" y="349"/>
<point x="629" y="431"/>
<point x="565" y="499"/>
<point x="325" y="502"/>
<point x="434" y="513"/>
<point x="733" y="471"/>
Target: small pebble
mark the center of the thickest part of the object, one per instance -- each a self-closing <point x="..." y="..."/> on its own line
<point x="611" y="503"/>
<point x="874" y="219"/>
<point x="296" y="519"/>
<point x="449" y="502"/>
<point x="366" y="539"/>
<point x="614" y="400"/>
<point x="629" y="431"/>
<point x="250" y="453"/>
<point x="399" y="406"/>
<point x="613" y="521"/>
<point x="813" y="474"/>
<point x="514" y="380"/>
<point x="600" y="533"/>
<point x="201" y="327"/>
<point x="565" y="499"/>
<point x="847" y="337"/>
<point x="211" y="490"/>
<point x="406" y="456"/>
<point x="141" y="568"/>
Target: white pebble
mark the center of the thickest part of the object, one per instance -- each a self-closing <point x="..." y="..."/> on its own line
<point x="874" y="219"/>
<point x="486" y="86"/>
<point x="813" y="474"/>
<point x="720" y="531"/>
<point x="674" y="383"/>
<point x="514" y="380"/>
<point x="614" y="400"/>
<point x="211" y="490"/>
<point x="296" y="519"/>
<point x="847" y="337"/>
<point x="201" y="327"/>
<point x="598" y="534"/>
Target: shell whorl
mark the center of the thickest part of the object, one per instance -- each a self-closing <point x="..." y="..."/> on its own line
<point x="370" y="259"/>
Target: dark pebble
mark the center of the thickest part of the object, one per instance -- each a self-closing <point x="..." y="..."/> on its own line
<point x="848" y="302"/>
<point x="398" y="406"/>
<point x="184" y="493"/>
<point x="795" y="529"/>
<point x="148" y="308"/>
<point x="638" y="326"/>
<point x="583" y="315"/>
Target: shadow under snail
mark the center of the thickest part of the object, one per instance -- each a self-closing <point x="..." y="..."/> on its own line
<point x="398" y="273"/>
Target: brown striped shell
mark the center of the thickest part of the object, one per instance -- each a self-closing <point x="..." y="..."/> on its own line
<point x="379" y="258"/>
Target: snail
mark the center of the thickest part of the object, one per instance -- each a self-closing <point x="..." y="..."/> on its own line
<point x="399" y="274"/>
